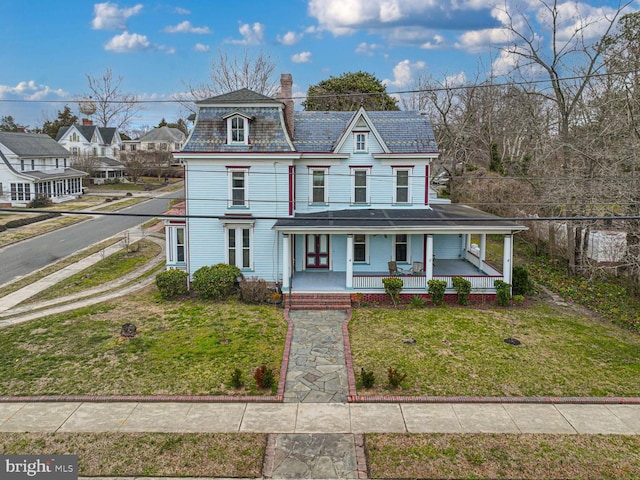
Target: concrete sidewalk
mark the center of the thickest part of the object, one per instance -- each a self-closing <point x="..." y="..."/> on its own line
<point x="319" y="418"/>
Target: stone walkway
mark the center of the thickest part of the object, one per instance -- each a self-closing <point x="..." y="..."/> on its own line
<point x="317" y="371"/>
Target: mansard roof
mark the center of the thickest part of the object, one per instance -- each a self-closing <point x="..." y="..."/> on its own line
<point x="32" y="145"/>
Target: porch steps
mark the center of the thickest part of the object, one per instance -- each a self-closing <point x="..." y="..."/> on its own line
<point x="318" y="301"/>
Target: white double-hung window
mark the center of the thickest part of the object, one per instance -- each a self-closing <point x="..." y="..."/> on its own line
<point x="360" y="185"/>
<point x="402" y="185"/>
<point x="360" y="142"/>
<point x="318" y="185"/>
<point x="238" y="187"/>
<point x="239" y="246"/>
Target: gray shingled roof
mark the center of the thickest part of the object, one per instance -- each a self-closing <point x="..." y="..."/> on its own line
<point x="163" y="134"/>
<point x="454" y="216"/>
<point x="32" y="145"/>
<point x="243" y="95"/>
<point x="402" y="131"/>
<point x="87" y="131"/>
<point x="49" y="175"/>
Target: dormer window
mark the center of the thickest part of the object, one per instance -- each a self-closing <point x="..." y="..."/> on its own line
<point x="237" y="130"/>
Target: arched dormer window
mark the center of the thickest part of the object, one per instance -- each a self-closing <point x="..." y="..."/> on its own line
<point x="237" y="129"/>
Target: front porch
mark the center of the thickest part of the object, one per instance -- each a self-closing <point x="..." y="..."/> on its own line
<point x="326" y="281"/>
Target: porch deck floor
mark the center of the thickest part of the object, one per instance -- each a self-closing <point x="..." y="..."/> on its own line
<point x="312" y="281"/>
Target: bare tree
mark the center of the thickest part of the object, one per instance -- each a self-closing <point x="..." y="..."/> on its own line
<point x="229" y="73"/>
<point x="114" y="107"/>
<point x="571" y="65"/>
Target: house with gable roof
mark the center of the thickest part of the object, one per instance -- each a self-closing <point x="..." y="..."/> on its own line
<point x="331" y="201"/>
<point x="99" y="144"/>
<point x="33" y="165"/>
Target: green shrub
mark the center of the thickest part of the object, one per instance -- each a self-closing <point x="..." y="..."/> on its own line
<point x="522" y="284"/>
<point x="394" y="377"/>
<point x="393" y="287"/>
<point x="215" y="282"/>
<point x="236" y="380"/>
<point x="418" y="302"/>
<point x="41" y="201"/>
<point x="503" y="293"/>
<point x="518" y="300"/>
<point x="367" y="378"/>
<point x="436" y="291"/>
<point x="172" y="283"/>
<point x="253" y="290"/>
<point x="463" y="287"/>
<point x="264" y="377"/>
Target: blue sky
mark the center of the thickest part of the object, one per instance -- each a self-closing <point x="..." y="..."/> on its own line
<point x="158" y="47"/>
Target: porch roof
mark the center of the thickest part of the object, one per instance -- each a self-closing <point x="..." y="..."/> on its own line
<point x="438" y="218"/>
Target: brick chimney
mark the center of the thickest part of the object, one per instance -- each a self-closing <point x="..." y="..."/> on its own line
<point x="285" y="94"/>
<point x="86" y="122"/>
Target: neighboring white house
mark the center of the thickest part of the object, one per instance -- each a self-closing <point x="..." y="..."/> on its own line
<point x="161" y="139"/>
<point x="324" y="200"/>
<point x="34" y="165"/>
<point x="100" y="144"/>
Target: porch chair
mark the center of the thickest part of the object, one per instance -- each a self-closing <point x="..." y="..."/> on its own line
<point x="417" y="268"/>
<point x="393" y="268"/>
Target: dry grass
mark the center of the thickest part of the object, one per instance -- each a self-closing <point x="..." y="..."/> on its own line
<point x="461" y="351"/>
<point x="178" y="349"/>
<point x="148" y="454"/>
<point x="483" y="456"/>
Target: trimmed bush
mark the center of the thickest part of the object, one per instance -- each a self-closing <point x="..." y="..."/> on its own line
<point x="41" y="201"/>
<point x="264" y="377"/>
<point x="463" y="287"/>
<point x="393" y="287"/>
<point x="236" y="381"/>
<point x="522" y="284"/>
<point x="253" y="290"/>
<point x="367" y="378"/>
<point x="22" y="222"/>
<point x="172" y="283"/>
<point x="436" y="291"/>
<point x="395" y="377"/>
<point x="215" y="282"/>
<point x="503" y="293"/>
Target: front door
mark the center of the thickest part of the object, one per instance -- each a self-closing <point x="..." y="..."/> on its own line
<point x="318" y="251"/>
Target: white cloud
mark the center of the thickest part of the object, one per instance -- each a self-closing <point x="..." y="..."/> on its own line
<point x="302" y="57"/>
<point x="186" y="27"/>
<point x="477" y="40"/>
<point x="368" y="49"/>
<point x="436" y="42"/>
<point x="30" y="90"/>
<point x="108" y="16"/>
<point x="404" y="73"/>
<point x="201" y="47"/>
<point x="289" y="38"/>
<point x="182" y="11"/>
<point x="128" y="42"/>
<point x="251" y="34"/>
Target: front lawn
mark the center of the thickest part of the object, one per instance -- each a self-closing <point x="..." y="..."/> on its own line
<point x="482" y="456"/>
<point x="181" y="348"/>
<point x="111" y="454"/>
<point x="461" y="351"/>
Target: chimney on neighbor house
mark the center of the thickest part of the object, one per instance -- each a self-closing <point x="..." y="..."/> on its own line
<point x="285" y="94"/>
<point x="86" y="122"/>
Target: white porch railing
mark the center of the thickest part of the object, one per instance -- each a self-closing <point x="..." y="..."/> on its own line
<point x="479" y="283"/>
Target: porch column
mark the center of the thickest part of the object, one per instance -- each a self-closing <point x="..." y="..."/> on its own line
<point x="507" y="258"/>
<point x="483" y="251"/>
<point x="286" y="262"/>
<point x="349" y="261"/>
<point x="428" y="262"/>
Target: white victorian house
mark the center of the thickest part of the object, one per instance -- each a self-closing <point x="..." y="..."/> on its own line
<point x="331" y="201"/>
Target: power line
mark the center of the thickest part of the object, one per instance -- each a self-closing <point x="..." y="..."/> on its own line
<point x="510" y="83"/>
<point x="331" y="217"/>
